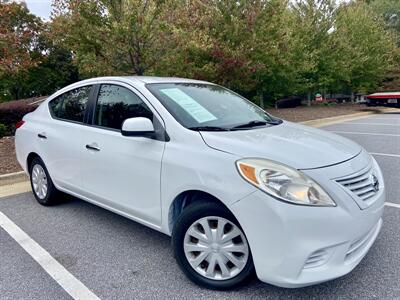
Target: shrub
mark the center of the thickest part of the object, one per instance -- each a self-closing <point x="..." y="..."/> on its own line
<point x="3" y="130"/>
<point x="12" y="112"/>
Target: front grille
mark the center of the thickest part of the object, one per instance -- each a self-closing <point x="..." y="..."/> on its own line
<point x="363" y="184"/>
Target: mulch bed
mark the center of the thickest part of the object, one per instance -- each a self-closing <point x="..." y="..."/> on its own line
<point x="9" y="164"/>
<point x="24" y="101"/>
<point x="8" y="161"/>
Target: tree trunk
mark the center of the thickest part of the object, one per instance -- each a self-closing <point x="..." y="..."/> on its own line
<point x="262" y="101"/>
<point x="15" y="93"/>
<point x="140" y="71"/>
<point x="309" y="98"/>
<point x="352" y="97"/>
<point x="136" y="63"/>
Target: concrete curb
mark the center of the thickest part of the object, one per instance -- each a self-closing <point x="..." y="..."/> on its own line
<point x="343" y="118"/>
<point x="12" y="178"/>
<point x="15" y="189"/>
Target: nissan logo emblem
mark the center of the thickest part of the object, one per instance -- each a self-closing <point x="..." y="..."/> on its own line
<point x="375" y="182"/>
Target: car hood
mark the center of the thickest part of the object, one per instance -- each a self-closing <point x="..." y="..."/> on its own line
<point x="295" y="145"/>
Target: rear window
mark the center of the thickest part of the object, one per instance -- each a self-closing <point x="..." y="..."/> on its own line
<point x="71" y="105"/>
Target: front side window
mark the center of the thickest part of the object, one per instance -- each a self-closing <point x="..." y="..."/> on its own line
<point x="71" y="105"/>
<point x="208" y="106"/>
<point x="115" y="104"/>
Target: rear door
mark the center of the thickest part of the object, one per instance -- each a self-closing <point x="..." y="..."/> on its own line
<point x="122" y="173"/>
<point x="61" y="138"/>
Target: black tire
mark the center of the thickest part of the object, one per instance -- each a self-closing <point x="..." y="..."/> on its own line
<point x="191" y="214"/>
<point x="52" y="196"/>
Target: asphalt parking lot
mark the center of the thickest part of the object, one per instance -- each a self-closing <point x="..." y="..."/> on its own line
<point x="116" y="258"/>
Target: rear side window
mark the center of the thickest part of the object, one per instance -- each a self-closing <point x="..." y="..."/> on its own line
<point x="71" y="105"/>
<point x="115" y="104"/>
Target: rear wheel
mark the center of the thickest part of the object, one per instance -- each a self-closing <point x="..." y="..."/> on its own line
<point x="211" y="248"/>
<point x="42" y="186"/>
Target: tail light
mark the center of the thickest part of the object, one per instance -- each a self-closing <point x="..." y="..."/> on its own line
<point x="19" y="124"/>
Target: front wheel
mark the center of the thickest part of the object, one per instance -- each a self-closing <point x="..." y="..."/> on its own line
<point x="211" y="248"/>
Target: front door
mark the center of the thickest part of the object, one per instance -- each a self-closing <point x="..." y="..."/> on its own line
<point x="119" y="172"/>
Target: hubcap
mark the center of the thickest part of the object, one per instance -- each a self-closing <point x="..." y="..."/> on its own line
<point x="216" y="248"/>
<point x="39" y="181"/>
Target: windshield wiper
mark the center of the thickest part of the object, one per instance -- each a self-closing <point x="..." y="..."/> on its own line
<point x="208" y="128"/>
<point x="250" y="124"/>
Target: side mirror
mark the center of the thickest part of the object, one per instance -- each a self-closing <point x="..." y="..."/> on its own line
<point x="138" y="127"/>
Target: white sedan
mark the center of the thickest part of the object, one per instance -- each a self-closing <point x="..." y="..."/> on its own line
<point x="240" y="192"/>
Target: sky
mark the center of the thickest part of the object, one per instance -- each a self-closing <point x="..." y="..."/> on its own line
<point x="41" y="8"/>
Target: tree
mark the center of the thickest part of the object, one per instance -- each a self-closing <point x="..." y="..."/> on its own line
<point x="389" y="10"/>
<point x="216" y="39"/>
<point x="55" y="70"/>
<point x="264" y="49"/>
<point x="366" y="49"/>
<point x="314" y="21"/>
<point x="18" y="41"/>
<point x="18" y="31"/>
<point x="30" y="63"/>
<point x="113" y="36"/>
<point x="244" y="45"/>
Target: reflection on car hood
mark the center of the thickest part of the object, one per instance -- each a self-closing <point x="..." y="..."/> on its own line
<point x="295" y="145"/>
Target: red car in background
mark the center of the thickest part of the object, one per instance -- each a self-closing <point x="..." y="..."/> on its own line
<point x="391" y="99"/>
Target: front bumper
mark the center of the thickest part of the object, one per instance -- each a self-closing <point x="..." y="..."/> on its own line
<point x="294" y="246"/>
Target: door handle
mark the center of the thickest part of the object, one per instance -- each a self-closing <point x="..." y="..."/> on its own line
<point x="42" y="135"/>
<point x="93" y="147"/>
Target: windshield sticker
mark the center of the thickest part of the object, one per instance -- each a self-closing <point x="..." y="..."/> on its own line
<point x="198" y="112"/>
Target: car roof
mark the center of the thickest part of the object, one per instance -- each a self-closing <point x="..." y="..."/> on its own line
<point x="155" y="79"/>
<point x="126" y="79"/>
<point x="145" y="79"/>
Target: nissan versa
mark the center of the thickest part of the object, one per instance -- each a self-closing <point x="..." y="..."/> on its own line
<point x="239" y="191"/>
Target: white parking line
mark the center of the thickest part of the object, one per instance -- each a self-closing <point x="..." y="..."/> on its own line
<point x="363" y="133"/>
<point x="392" y="204"/>
<point x="75" y="288"/>
<point x="382" y="119"/>
<point x="373" y="119"/>
<point x="385" y="154"/>
<point x="380" y="124"/>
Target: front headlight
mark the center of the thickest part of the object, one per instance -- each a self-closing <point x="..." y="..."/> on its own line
<point x="283" y="182"/>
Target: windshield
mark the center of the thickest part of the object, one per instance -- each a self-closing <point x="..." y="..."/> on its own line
<point x="207" y="106"/>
